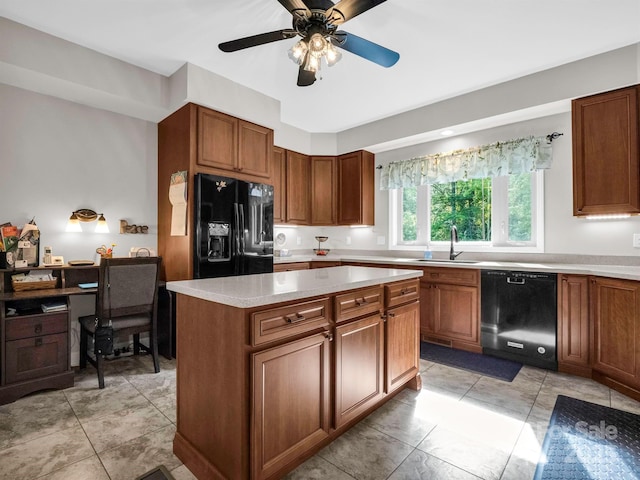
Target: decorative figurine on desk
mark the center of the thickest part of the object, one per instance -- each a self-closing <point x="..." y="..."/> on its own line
<point x="106" y="252"/>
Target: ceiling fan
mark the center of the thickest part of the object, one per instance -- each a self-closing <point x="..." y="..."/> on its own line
<point x="317" y="22"/>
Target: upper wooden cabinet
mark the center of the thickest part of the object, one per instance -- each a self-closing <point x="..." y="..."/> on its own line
<point x="228" y="143"/>
<point x="279" y="180"/>
<point x="606" y="135"/>
<point x="200" y="140"/>
<point x="356" y="189"/>
<point x="298" y="210"/>
<point x="324" y="198"/>
<point x="325" y="190"/>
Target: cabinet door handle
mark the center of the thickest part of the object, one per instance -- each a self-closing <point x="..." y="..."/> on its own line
<point x="38" y="328"/>
<point x="329" y="336"/>
<point x="38" y="342"/>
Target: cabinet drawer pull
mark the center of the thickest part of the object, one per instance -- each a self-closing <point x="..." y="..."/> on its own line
<point x="359" y="302"/>
<point x="298" y="318"/>
<point x="38" y="342"/>
<point x="38" y="328"/>
<point x="329" y="336"/>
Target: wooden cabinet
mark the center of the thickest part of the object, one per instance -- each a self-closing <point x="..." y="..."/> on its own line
<point x="356" y="189"/>
<point x="288" y="267"/>
<point x="325" y="263"/>
<point x="573" y="325"/>
<point x="359" y="367"/>
<point x="200" y="140"/>
<point x="279" y="180"/>
<point x="35" y="346"/>
<point x="290" y="402"/>
<point x="324" y="198"/>
<point x="325" y="190"/>
<point x="298" y="210"/>
<point x="450" y="307"/>
<point x="228" y="143"/>
<point x="615" y="323"/>
<point x="278" y="377"/>
<point x="606" y="156"/>
<point x="402" y="334"/>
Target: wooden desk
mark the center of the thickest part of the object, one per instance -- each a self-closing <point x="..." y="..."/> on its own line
<point x="36" y="346"/>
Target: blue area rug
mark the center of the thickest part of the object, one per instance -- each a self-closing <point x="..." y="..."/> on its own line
<point x="474" y="362"/>
<point x="588" y="441"/>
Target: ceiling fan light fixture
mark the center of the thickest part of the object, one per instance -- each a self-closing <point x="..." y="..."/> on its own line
<point x="332" y="56"/>
<point x="317" y="45"/>
<point x="298" y="52"/>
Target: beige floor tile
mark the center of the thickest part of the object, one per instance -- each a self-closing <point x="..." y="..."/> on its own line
<point x="401" y="421"/>
<point x="182" y="473"/>
<point x="422" y="466"/>
<point x="442" y="378"/>
<point x="140" y="455"/>
<point x="109" y="431"/>
<point x="317" y="468"/>
<point x="87" y="469"/>
<point x="35" y="416"/>
<point x="45" y="455"/>
<point x="365" y="453"/>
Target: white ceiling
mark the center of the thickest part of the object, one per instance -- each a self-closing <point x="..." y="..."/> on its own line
<point x="447" y="47"/>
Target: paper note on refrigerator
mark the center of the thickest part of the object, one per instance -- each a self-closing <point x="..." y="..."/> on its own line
<point x="178" y="199"/>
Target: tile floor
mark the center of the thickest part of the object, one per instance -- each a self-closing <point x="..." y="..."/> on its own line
<point x="460" y="426"/>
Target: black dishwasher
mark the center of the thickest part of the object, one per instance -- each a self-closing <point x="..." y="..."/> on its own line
<point x="519" y="316"/>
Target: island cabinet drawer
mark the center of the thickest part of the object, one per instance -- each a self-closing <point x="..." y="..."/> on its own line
<point x="36" y="325"/>
<point x="401" y="292"/>
<point x="289" y="320"/>
<point x="358" y="303"/>
<point x="457" y="276"/>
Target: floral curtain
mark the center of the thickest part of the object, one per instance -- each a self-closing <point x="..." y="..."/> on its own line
<point x="497" y="159"/>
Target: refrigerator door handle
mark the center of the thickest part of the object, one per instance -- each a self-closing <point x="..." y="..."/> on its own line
<point x="236" y="239"/>
<point x="241" y="233"/>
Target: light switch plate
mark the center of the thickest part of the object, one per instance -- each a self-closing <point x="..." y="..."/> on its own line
<point x="381" y="240"/>
<point x="636" y="240"/>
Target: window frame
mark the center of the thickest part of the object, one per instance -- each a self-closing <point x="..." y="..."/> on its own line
<point x="499" y="221"/>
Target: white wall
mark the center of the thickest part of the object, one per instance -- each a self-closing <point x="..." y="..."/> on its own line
<point x="58" y="156"/>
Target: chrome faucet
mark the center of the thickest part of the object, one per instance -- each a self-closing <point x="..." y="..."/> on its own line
<point x="454" y="238"/>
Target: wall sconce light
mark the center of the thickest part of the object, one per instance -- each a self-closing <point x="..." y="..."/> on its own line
<point x="86" y="215"/>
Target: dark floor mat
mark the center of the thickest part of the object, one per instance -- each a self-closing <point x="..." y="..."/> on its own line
<point x="588" y="441"/>
<point x="475" y="362"/>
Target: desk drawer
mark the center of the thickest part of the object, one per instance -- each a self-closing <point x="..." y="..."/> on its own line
<point x="289" y="320"/>
<point x="401" y="292"/>
<point x="37" y="357"/>
<point x="36" y="325"/>
<point x="359" y="303"/>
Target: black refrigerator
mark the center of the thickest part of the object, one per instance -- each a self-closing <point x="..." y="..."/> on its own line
<point x="234" y="227"/>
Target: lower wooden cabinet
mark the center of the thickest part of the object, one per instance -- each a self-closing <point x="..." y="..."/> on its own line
<point x="359" y="363"/>
<point x="449" y="315"/>
<point x="290" y="402"/>
<point x="573" y="325"/>
<point x="615" y="319"/>
<point x="402" y="345"/>
<point x="288" y="267"/>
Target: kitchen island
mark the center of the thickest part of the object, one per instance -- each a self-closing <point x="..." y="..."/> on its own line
<point x="272" y="367"/>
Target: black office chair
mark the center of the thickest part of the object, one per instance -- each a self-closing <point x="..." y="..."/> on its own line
<point x="128" y="299"/>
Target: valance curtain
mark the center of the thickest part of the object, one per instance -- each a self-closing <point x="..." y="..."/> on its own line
<point x="497" y="159"/>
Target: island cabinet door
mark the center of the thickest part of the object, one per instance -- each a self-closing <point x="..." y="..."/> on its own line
<point x="291" y="402"/>
<point x="403" y="345"/>
<point x="359" y="366"/>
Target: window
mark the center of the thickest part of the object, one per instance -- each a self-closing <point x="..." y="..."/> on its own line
<point x="488" y="212"/>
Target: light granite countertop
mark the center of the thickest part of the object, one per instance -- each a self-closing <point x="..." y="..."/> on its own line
<point x="613" y="271"/>
<point x="268" y="288"/>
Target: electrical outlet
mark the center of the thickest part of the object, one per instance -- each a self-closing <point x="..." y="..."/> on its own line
<point x="636" y="240"/>
<point x="348" y="240"/>
<point x="298" y="240"/>
<point x="381" y="239"/>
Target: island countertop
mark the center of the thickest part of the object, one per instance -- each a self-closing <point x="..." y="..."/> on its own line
<point x="249" y="291"/>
